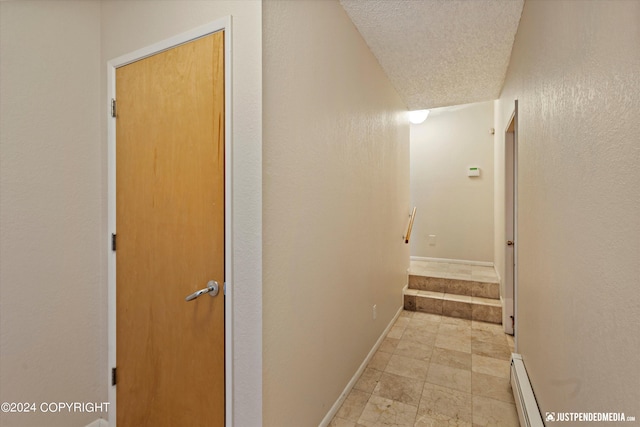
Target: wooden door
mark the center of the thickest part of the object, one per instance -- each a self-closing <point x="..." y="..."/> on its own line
<point x="170" y="237"/>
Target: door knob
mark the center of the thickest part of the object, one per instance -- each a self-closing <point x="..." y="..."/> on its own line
<point x="509" y="242"/>
<point x="211" y="289"/>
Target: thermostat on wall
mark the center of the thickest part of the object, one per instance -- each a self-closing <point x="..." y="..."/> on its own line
<point x="473" y="171"/>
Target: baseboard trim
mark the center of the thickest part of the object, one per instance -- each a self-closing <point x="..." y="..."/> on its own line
<point x="453" y="261"/>
<point x="336" y="406"/>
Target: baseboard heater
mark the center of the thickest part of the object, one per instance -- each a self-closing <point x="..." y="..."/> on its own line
<point x="528" y="411"/>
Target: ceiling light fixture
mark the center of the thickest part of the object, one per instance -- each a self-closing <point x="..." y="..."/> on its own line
<point x="418" y="116"/>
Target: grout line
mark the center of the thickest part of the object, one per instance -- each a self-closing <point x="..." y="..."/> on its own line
<point x="430" y="364"/>
<point x="345" y="393"/>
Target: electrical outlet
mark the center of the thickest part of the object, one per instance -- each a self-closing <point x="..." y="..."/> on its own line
<point x="375" y="311"/>
<point x="431" y="239"/>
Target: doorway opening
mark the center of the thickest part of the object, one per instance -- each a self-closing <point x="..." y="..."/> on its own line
<point x="452" y="185"/>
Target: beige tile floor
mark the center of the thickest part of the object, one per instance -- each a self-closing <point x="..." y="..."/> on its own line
<point x="433" y="371"/>
<point x="453" y="271"/>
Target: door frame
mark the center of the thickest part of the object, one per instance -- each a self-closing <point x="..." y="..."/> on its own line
<point x="222" y="24"/>
<point x="511" y="224"/>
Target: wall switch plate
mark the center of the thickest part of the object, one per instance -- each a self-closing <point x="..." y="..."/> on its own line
<point x="375" y="311"/>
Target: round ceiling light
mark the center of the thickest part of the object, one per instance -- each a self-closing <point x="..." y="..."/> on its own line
<point x="418" y="116"/>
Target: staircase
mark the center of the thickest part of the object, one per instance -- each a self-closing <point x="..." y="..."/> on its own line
<point x="454" y="290"/>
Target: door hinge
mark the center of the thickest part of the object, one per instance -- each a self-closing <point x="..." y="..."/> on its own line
<point x="113" y="242"/>
<point x="113" y="376"/>
<point x="113" y="107"/>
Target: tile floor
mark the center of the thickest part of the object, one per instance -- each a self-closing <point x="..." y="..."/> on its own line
<point x="453" y="271"/>
<point x="433" y="371"/>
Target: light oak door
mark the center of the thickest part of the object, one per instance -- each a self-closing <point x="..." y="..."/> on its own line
<point x="170" y="237"/>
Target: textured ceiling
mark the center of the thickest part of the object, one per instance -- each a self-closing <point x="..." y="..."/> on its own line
<point x="440" y="52"/>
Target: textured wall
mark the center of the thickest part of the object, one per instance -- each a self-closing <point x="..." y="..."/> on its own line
<point x="336" y="200"/>
<point x="455" y="208"/>
<point x="127" y="26"/>
<point x="52" y="330"/>
<point x="575" y="70"/>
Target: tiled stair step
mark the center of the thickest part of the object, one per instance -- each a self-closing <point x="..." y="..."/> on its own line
<point x="452" y="305"/>
<point x="473" y="288"/>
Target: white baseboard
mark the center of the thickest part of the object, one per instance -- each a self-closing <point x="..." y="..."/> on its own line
<point x="453" y="261"/>
<point x="98" y="423"/>
<point x="336" y="406"/>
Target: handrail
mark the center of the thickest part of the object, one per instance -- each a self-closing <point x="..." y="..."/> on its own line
<point x="410" y="226"/>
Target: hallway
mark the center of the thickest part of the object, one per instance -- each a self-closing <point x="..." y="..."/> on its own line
<point x="319" y="199"/>
<point x="432" y="370"/>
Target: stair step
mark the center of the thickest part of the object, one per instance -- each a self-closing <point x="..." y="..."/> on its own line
<point x="454" y="305"/>
<point x="473" y="288"/>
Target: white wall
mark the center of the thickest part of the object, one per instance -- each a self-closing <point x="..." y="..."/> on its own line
<point x="336" y="200"/>
<point x="130" y="25"/>
<point x="575" y="70"/>
<point x="52" y="329"/>
<point x="455" y="208"/>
